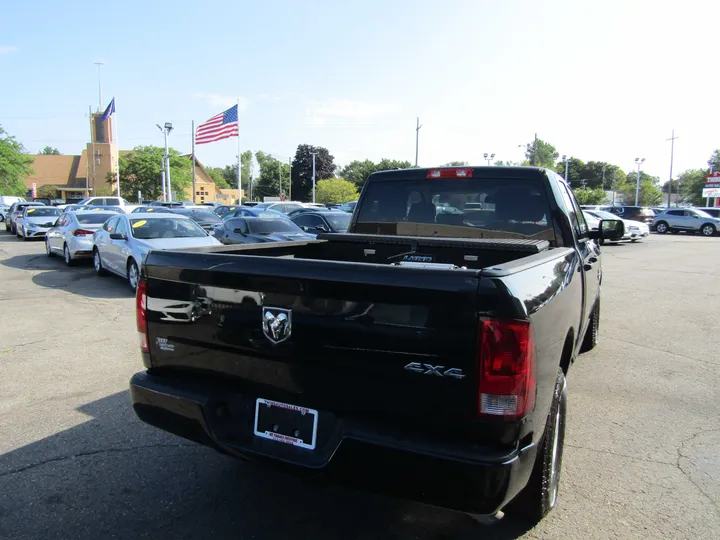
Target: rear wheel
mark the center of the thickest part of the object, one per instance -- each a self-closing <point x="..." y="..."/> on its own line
<point x="97" y="263"/>
<point x="133" y="274"/>
<point x="590" y="340"/>
<point x="708" y="229"/>
<point x="47" y="248"/>
<point x="539" y="496"/>
<point x="68" y="256"/>
<point x="662" y="227"/>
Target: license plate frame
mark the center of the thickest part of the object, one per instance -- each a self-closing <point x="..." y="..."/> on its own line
<point x="292" y="417"/>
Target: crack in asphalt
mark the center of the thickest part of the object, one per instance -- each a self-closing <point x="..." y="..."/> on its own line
<point x="664" y="351"/>
<point x="611" y="453"/>
<point x="686" y="474"/>
<point x="93" y="453"/>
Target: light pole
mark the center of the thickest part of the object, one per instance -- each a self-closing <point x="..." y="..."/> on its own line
<point x="566" y="159"/>
<point x="489" y="157"/>
<point x="166" y="131"/>
<point x="313" y="154"/>
<point x="417" y="140"/>
<point x="639" y="162"/>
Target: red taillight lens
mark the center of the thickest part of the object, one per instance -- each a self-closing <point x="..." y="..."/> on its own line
<point x="450" y="172"/>
<point x="82" y="232"/>
<point x="507" y="368"/>
<point x="141" y="314"/>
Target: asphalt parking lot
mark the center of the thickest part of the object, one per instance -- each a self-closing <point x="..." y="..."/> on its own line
<point x="641" y="455"/>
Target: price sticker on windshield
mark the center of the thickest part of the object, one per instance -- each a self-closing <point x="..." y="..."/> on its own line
<point x="139" y="224"/>
<point x="31" y="210"/>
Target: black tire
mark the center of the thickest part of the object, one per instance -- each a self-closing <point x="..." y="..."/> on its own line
<point x="661" y="227"/>
<point x="97" y="264"/>
<point x="48" y="251"/>
<point x="132" y="267"/>
<point x="25" y="238"/>
<point x="67" y="256"/>
<point x="539" y="496"/>
<point x="590" y="340"/>
<point x="708" y="229"/>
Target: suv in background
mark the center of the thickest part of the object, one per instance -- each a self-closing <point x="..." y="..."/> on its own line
<point x="119" y="202"/>
<point x="634" y="213"/>
<point x="686" y="219"/>
<point x="714" y="211"/>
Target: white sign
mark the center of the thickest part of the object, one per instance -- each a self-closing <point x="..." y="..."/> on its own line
<point x="711" y="192"/>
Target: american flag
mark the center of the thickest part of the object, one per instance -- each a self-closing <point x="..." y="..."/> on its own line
<point x="220" y="126"/>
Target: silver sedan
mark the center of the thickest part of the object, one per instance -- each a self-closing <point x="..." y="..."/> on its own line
<point x="121" y="244"/>
<point x="36" y="221"/>
<point x="73" y="233"/>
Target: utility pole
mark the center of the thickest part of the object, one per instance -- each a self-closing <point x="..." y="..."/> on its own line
<point x="603" y="178"/>
<point x="162" y="176"/>
<point x="417" y="140"/>
<point x="290" y="183"/>
<point x="313" y="178"/>
<point x="533" y="158"/>
<point x="100" y="101"/>
<point x="707" y="199"/>
<point x="672" y="153"/>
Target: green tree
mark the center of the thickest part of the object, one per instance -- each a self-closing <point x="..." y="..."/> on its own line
<point x="358" y="171"/>
<point x="229" y="172"/>
<point x="691" y="186"/>
<point x="335" y="191"/>
<point x="14" y="166"/>
<point x="590" y="196"/>
<point x="650" y="193"/>
<point x="50" y="192"/>
<point x="49" y="151"/>
<point x="302" y="169"/>
<point x="539" y="153"/>
<point x="714" y="160"/>
<point x="575" y="171"/>
<point x="216" y="173"/>
<point x="140" y="170"/>
<point x="273" y="174"/>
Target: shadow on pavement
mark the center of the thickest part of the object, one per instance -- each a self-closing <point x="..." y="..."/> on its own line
<point x="79" y="279"/>
<point x="113" y="476"/>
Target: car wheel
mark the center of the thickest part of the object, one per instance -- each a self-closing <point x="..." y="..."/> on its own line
<point x="133" y="274"/>
<point x="47" y="248"/>
<point x="68" y="256"/>
<point x="539" y="496"/>
<point x="17" y="232"/>
<point x="662" y="227"/>
<point x="590" y="340"/>
<point x="97" y="263"/>
<point x="708" y="230"/>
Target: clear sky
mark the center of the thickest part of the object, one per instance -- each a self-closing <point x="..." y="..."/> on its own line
<point x="601" y="80"/>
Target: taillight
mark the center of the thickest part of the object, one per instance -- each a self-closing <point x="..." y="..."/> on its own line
<point x="141" y="314"/>
<point x="82" y="232"/>
<point x="507" y="368"/>
<point x="450" y="172"/>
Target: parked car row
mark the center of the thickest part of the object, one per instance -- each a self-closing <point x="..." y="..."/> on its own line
<point x="634" y="230"/>
<point x="703" y="220"/>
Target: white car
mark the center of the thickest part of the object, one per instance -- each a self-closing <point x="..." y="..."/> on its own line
<point x="126" y="206"/>
<point x="72" y="235"/>
<point x="36" y="221"/>
<point x="634" y="230"/>
<point x="121" y="244"/>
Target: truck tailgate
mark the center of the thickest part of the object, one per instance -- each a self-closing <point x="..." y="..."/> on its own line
<point x="356" y="339"/>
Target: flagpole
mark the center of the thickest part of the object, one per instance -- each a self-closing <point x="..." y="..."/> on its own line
<point x="239" y="160"/>
<point x="193" y="160"/>
<point x="117" y="149"/>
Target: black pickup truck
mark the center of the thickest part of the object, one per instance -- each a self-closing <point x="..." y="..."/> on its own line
<point x="423" y="354"/>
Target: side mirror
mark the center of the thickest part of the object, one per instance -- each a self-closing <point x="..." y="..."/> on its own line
<point x="696" y="216"/>
<point x="117" y="236"/>
<point x="321" y="228"/>
<point x="305" y="228"/>
<point x="611" y="229"/>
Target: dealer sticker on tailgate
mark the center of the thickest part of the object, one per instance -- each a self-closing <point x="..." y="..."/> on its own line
<point x="286" y="423"/>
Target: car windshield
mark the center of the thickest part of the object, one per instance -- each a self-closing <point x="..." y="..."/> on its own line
<point x="203" y="215"/>
<point x="339" y="222"/>
<point x="268" y="226"/>
<point x="602" y="214"/>
<point x="647" y="212"/>
<point x="489" y="208"/>
<point x="703" y="214"/>
<point x="42" y="212"/>
<point x="92" y="218"/>
<point x="165" y="227"/>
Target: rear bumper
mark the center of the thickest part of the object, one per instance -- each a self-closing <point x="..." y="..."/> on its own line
<point x="350" y="451"/>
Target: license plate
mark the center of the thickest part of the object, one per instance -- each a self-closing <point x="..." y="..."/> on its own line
<point x="286" y="423"/>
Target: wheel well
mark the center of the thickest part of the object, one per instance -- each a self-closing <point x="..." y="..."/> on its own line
<point x="130" y="260"/>
<point x="711" y="224"/>
<point x="567" y="352"/>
